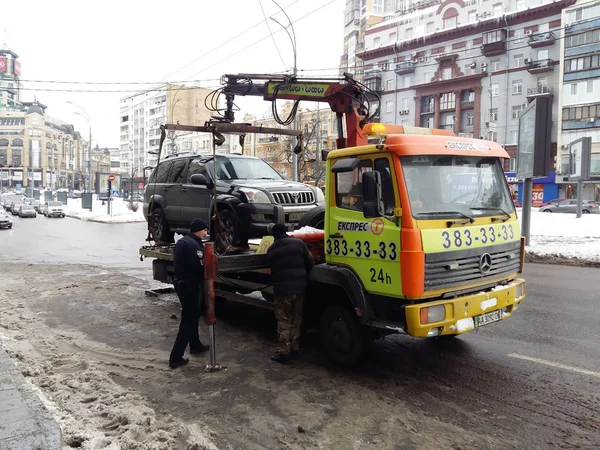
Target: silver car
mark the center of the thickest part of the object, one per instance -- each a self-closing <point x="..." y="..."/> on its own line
<point x="570" y="206"/>
<point x="27" y="211"/>
<point x="5" y="220"/>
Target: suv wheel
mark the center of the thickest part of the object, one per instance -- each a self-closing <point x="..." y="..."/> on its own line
<point x="229" y="234"/>
<point x="160" y="231"/>
<point x="314" y="218"/>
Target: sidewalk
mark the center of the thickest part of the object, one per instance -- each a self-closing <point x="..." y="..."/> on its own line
<point x="25" y="423"/>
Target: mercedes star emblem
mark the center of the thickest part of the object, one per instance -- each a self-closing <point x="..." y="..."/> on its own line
<point x="485" y="263"/>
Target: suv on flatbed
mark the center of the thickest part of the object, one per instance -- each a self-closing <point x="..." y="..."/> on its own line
<point x="250" y="195"/>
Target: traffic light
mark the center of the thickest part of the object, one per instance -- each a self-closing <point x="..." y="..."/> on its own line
<point x="109" y="188"/>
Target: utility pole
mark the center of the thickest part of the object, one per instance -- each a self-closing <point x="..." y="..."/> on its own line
<point x="317" y="167"/>
<point x="294" y="155"/>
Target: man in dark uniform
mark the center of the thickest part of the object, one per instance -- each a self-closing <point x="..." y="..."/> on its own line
<point x="189" y="285"/>
<point x="290" y="262"/>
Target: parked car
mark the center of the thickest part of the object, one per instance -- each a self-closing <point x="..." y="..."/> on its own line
<point x="27" y="211"/>
<point x="250" y="194"/>
<point x="53" y="209"/>
<point x="570" y="206"/>
<point x="36" y="205"/>
<point x="14" y="208"/>
<point x="553" y="202"/>
<point x="5" y="220"/>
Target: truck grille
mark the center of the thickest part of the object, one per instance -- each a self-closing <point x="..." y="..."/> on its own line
<point x="294" y="198"/>
<point x="465" y="266"/>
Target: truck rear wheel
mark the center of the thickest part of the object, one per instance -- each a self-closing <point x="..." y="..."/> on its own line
<point x="342" y="336"/>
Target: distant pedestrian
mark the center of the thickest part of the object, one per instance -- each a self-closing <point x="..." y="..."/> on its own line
<point x="290" y="262"/>
<point x="189" y="286"/>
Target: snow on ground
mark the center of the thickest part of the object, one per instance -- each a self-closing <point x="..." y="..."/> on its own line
<point x="99" y="213"/>
<point x="564" y="234"/>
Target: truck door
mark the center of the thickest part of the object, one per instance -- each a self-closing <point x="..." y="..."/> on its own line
<point x="370" y="246"/>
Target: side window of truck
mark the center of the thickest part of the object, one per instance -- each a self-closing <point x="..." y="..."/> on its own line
<point x="161" y="173"/>
<point x="382" y="165"/>
<point x="348" y="187"/>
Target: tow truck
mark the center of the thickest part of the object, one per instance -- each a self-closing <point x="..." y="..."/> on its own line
<point x="420" y="233"/>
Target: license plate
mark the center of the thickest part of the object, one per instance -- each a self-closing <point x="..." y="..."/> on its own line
<point x="490" y="317"/>
<point x="295" y="217"/>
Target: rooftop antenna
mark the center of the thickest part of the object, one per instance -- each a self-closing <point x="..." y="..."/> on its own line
<point x="4" y="46"/>
<point x="288" y="33"/>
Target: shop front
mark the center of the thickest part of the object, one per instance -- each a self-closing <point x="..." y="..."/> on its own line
<point x="544" y="189"/>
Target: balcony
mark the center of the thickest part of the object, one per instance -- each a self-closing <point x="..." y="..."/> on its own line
<point x="447" y="126"/>
<point x="541" y="39"/>
<point x="430" y="109"/>
<point x="360" y="47"/>
<point x="494" y="43"/>
<point x="543" y="65"/>
<point x="405" y="67"/>
<point x="539" y="91"/>
<point x="469" y="104"/>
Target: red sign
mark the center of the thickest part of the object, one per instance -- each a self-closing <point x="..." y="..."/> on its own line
<point x="3" y="65"/>
<point x="140" y="185"/>
<point x="537" y="195"/>
<point x="17" y="68"/>
<point x="377" y="226"/>
<point x="111" y="178"/>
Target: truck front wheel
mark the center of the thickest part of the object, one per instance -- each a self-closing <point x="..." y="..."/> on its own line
<point x="342" y="336"/>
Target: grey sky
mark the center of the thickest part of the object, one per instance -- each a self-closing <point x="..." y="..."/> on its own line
<point x="146" y="41"/>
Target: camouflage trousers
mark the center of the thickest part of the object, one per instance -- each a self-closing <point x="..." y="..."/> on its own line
<point x="288" y="311"/>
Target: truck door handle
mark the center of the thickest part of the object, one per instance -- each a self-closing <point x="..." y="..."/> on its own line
<point x="165" y="189"/>
<point x="336" y="236"/>
<point x="183" y="190"/>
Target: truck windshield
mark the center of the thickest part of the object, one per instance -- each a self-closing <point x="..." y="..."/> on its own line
<point x="232" y="168"/>
<point x="456" y="186"/>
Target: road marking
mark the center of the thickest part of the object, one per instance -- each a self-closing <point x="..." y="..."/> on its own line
<point x="557" y="365"/>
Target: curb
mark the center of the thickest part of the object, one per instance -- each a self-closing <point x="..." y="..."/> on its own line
<point x="25" y="422"/>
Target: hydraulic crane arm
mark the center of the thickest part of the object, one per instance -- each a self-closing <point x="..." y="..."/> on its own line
<point x="346" y="97"/>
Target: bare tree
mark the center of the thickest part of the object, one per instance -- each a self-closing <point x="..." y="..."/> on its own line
<point x="310" y="168"/>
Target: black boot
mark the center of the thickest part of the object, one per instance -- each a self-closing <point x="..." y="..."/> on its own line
<point x="178" y="363"/>
<point x="281" y="358"/>
<point x="197" y="349"/>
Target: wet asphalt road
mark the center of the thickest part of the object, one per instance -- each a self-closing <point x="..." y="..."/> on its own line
<point x="534" y="377"/>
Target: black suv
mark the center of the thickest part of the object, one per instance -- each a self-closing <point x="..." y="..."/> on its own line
<point x="250" y="195"/>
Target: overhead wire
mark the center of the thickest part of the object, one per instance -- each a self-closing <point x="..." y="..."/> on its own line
<point x="271" y="33"/>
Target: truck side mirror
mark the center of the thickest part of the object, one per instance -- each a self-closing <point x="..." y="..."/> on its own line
<point x="373" y="198"/>
<point x="198" y="179"/>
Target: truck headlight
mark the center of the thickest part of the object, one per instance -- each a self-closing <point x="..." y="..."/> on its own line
<point x="432" y="314"/>
<point x="319" y="195"/>
<point x="255" y="196"/>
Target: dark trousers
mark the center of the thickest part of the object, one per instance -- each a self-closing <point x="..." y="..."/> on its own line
<point x="191" y="297"/>
<point x="288" y="311"/>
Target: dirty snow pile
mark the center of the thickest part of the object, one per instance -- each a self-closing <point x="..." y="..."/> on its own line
<point x="121" y="213"/>
<point x="565" y="235"/>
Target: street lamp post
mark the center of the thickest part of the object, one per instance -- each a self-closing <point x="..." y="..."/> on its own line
<point x="87" y="118"/>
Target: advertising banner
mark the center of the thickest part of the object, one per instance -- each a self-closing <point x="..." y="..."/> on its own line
<point x="17" y="68"/>
<point x="17" y="176"/>
<point x="103" y="183"/>
<point x="3" y="64"/>
<point x="537" y="195"/>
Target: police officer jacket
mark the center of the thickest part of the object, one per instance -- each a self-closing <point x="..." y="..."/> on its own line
<point x="290" y="262"/>
<point x="189" y="259"/>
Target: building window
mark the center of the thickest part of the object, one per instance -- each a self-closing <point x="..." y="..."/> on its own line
<point x="389" y="107"/>
<point x="449" y="22"/>
<point x="406" y="82"/>
<point x="518" y="60"/>
<point x="409" y="33"/>
<point x="493" y="136"/>
<point x="574" y="89"/>
<point x="389" y="85"/>
<point x="430" y="27"/>
<point x="495" y="90"/>
<point x="520" y="5"/>
<point x="378" y="6"/>
<point x="516" y="111"/>
<point x="514" y="137"/>
<point x="512" y="166"/>
<point x="518" y="36"/>
<point x="589" y="89"/>
<point x="470" y="119"/>
<point x="497" y="10"/>
<point x="517" y="87"/>
<point x="16" y="157"/>
<point x="446" y="73"/>
<point x="427" y="76"/>
<point x="495" y="65"/>
<point x="494" y="115"/>
<point x="392" y="38"/>
<point x="376" y="42"/>
<point x="448" y="101"/>
<point x="472" y="17"/>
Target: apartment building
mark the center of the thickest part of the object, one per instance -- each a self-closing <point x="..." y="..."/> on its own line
<point x="470" y="66"/>
<point x="358" y="16"/>
<point x="141" y="116"/>
<point x="579" y="98"/>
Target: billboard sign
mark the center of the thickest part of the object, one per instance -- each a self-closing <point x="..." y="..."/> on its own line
<point x="3" y="64"/>
<point x="103" y="179"/>
<point x="17" y="68"/>
<point x="580" y="159"/>
<point x="534" y="155"/>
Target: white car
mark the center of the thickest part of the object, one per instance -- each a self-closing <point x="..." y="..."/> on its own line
<point x="5" y="220"/>
<point x="53" y="209"/>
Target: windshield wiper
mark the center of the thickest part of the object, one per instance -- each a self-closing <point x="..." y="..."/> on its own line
<point x="495" y="219"/>
<point x="450" y="222"/>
